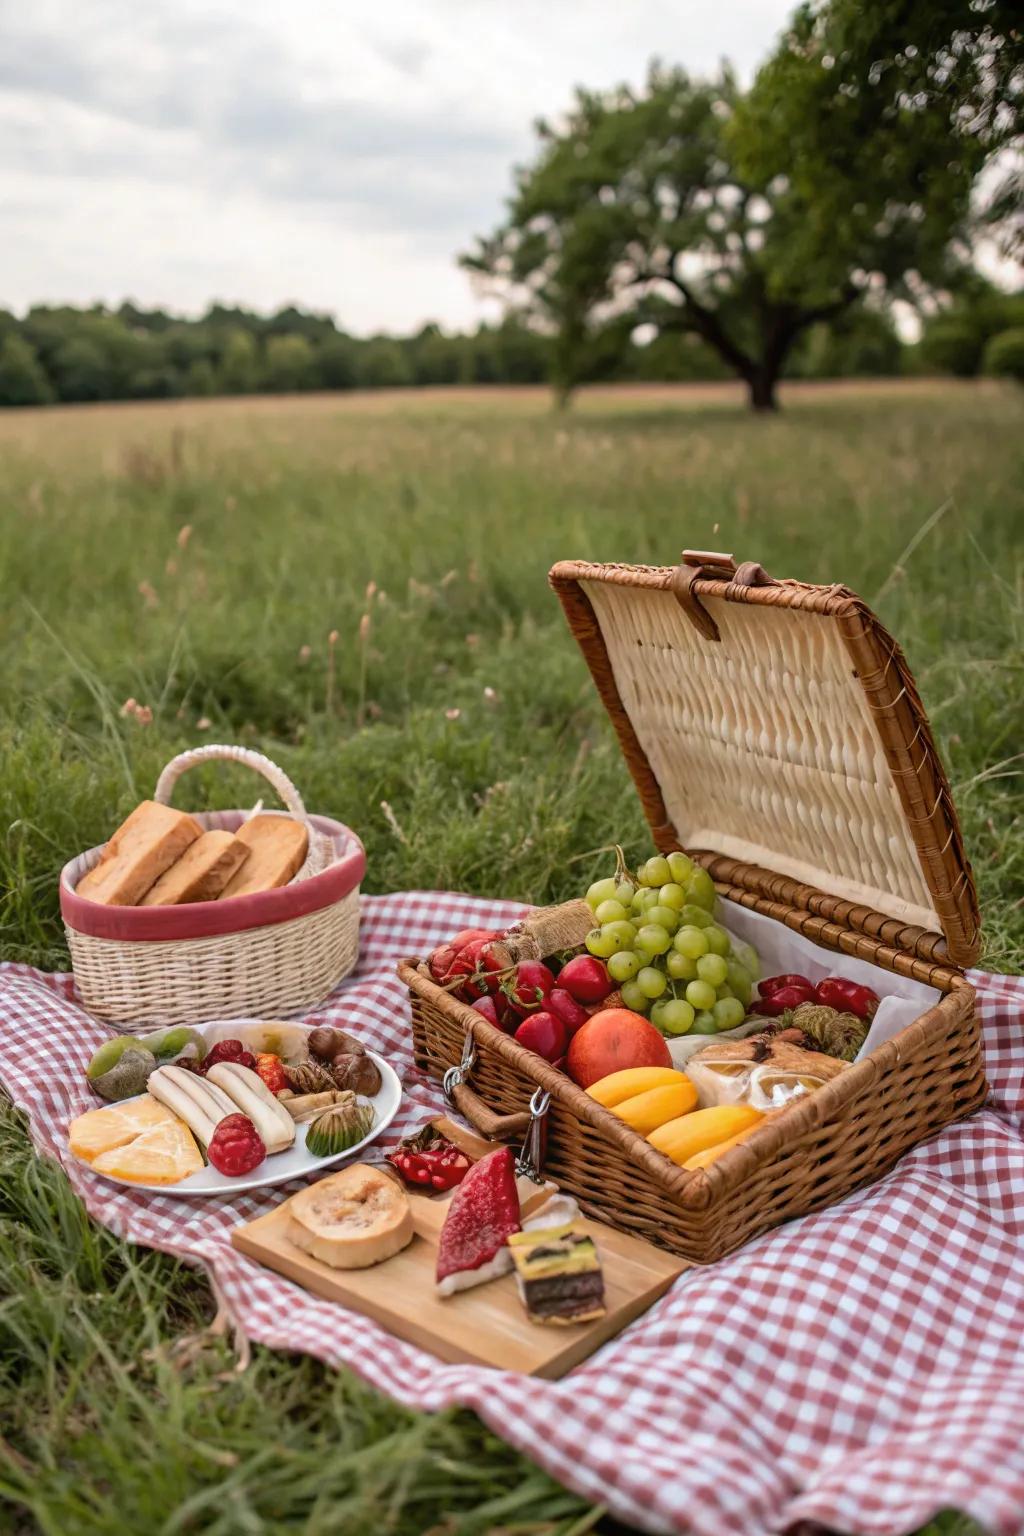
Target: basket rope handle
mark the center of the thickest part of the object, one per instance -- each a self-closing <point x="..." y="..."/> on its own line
<point x="213" y="752"/>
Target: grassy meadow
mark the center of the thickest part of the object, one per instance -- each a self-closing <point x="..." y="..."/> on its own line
<point x="357" y="585"/>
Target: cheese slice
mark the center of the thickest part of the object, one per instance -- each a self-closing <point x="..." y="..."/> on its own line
<point x="201" y="873"/>
<point x="277" y="850"/>
<point x="145" y="845"/>
<point x="165" y="1154"/>
<point x="352" y="1219"/>
<point x="102" y="1130"/>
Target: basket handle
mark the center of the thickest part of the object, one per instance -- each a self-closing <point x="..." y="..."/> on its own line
<point x="483" y="1119"/>
<point x="710" y="565"/>
<point x="213" y="752"/>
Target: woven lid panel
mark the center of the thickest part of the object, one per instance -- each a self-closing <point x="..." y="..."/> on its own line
<point x="778" y="745"/>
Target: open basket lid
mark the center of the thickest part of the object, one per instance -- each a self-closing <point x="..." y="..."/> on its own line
<point x="773" y="728"/>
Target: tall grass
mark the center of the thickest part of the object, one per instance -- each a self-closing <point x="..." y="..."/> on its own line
<point x="197" y="560"/>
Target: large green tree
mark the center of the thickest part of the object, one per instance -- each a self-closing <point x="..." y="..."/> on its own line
<point x="663" y="207"/>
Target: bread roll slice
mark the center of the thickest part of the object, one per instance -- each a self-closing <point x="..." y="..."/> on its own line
<point x="351" y="1220"/>
<point x="201" y="873"/>
<point x="145" y="845"/>
<point x="277" y="849"/>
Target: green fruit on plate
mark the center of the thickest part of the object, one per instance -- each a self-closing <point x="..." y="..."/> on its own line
<point x="168" y="1044"/>
<point x="339" y="1128"/>
<point x="120" y="1069"/>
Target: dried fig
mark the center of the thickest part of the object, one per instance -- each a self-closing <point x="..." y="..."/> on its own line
<point x="360" y="1073"/>
<point x="323" y="1043"/>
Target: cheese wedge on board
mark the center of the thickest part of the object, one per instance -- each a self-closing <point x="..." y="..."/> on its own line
<point x="103" y="1130"/>
<point x="277" y="850"/>
<point x="352" y="1219"/>
<point x="201" y="873"/>
<point x="145" y="845"/>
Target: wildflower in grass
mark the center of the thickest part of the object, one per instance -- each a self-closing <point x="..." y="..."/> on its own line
<point x="171" y="568"/>
<point x="148" y="594"/>
<point x="184" y="534"/>
<point x="203" y="724"/>
<point x="305" y="652"/>
<point x="371" y="588"/>
<point x="490" y="694"/>
<point x="127" y="708"/>
<point x="143" y="714"/>
<point x="332" y="640"/>
<point x="452" y="714"/>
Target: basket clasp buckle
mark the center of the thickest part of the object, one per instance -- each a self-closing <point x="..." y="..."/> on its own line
<point x="531" y="1159"/>
<point x="454" y="1076"/>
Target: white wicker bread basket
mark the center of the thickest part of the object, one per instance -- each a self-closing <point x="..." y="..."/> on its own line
<point x="274" y="953"/>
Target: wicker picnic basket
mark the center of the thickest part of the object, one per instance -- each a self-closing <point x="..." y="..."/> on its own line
<point x="272" y="953"/>
<point x="774" y="732"/>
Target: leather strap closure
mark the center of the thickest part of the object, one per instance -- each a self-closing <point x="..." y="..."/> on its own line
<point x="710" y="565"/>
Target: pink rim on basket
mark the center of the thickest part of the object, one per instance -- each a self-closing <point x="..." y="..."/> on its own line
<point x="205" y="919"/>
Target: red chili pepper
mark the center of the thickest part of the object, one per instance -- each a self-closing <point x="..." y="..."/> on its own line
<point x="773" y="984"/>
<point x="847" y="996"/>
<point x="429" y="1158"/>
<point x="786" y="997"/>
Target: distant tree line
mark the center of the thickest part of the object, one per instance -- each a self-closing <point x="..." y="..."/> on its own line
<point x="66" y="354"/>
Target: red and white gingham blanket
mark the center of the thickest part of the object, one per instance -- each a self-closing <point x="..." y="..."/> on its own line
<point x="860" y="1369"/>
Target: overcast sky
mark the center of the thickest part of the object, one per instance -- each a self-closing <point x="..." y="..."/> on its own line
<point x="316" y="151"/>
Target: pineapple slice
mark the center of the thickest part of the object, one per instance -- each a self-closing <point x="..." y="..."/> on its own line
<point x="164" y="1154"/>
<point x="103" y="1130"/>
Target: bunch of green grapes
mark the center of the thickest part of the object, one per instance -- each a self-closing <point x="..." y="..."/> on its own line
<point x="657" y="934"/>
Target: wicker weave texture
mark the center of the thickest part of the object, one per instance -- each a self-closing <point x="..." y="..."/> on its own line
<point x="844" y="1135"/>
<point x="795" y="744"/>
<point x="261" y="972"/>
<point x="763" y="745"/>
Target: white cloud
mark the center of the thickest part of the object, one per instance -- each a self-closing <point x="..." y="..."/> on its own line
<point x="315" y="152"/>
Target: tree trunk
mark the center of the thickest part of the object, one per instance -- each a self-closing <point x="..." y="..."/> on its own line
<point x="761" y="389"/>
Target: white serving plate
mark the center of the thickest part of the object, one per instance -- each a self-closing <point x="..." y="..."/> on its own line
<point x="280" y="1166"/>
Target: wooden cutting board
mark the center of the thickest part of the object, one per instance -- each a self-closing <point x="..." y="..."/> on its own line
<point x="487" y="1325"/>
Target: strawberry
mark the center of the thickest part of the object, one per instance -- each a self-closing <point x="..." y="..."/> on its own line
<point x="230" y="1050"/>
<point x="236" y="1146"/>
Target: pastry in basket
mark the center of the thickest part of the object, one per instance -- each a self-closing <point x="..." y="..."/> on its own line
<point x="558" y="1274"/>
<point x="764" y="1071"/>
<point x="144" y="846"/>
<point x="277" y="850"/>
<point x="201" y="873"/>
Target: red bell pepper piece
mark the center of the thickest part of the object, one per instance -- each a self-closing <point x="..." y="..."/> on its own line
<point x="773" y="984"/>
<point x="429" y="1160"/>
<point x="785" y="998"/>
<point x="846" y="996"/>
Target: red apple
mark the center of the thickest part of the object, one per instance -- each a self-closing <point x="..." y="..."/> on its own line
<point x="586" y="979"/>
<point x="611" y="1041"/>
<point x="565" y="1007"/>
<point x="545" y="1034"/>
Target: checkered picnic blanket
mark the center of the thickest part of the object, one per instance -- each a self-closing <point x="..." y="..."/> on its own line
<point x="859" y="1369"/>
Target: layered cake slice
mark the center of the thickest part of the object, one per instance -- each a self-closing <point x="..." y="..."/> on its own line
<point x="559" y="1274"/>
